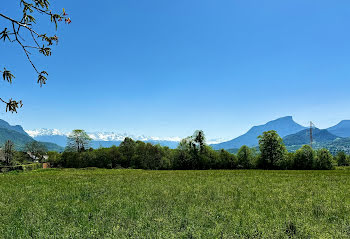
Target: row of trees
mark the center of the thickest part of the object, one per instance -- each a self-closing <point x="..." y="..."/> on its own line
<point x="193" y="153"/>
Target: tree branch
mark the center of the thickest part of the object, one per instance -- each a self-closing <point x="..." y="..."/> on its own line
<point x="42" y="7"/>
<point x="25" y="50"/>
<point x="19" y="24"/>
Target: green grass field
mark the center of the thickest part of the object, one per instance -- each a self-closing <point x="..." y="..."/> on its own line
<point x="98" y="203"/>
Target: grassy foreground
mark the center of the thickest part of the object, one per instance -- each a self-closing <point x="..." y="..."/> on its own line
<point x="175" y="204"/>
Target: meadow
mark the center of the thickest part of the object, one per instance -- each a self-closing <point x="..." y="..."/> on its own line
<point x="123" y="203"/>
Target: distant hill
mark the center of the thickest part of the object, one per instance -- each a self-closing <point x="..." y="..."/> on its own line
<point x="17" y="128"/>
<point x="342" y="129"/>
<point x="339" y="144"/>
<point x="303" y="137"/>
<point x="52" y="146"/>
<point x="334" y="146"/>
<point x="60" y="140"/>
<point x="284" y="126"/>
<point x="20" y="138"/>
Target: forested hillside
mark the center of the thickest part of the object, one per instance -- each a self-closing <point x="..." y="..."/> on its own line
<point x="20" y="138"/>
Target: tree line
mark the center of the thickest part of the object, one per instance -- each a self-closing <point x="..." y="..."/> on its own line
<point x="192" y="153"/>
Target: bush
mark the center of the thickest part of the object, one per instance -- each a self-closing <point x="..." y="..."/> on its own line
<point x="342" y="159"/>
<point x="287" y="162"/>
<point x="227" y="160"/>
<point x="324" y="160"/>
<point x="33" y="166"/>
<point x="55" y="159"/>
<point x="71" y="160"/>
<point x="245" y="157"/>
<point x="25" y="167"/>
<point x="304" y="158"/>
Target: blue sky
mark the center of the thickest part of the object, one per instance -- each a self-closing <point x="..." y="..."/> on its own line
<point x="167" y="68"/>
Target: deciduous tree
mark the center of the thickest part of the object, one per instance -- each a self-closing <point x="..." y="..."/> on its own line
<point x="324" y="159"/>
<point x="9" y="151"/>
<point x="272" y="149"/>
<point x="342" y="159"/>
<point x="245" y="157"/>
<point x="78" y="141"/>
<point x="304" y="158"/>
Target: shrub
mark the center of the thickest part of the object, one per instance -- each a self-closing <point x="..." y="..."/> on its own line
<point x="304" y="158"/>
<point x="24" y="167"/>
<point x="287" y="162"/>
<point x="245" y="157"/>
<point x="342" y="159"/>
<point x="54" y="159"/>
<point x="324" y="160"/>
<point x="227" y="160"/>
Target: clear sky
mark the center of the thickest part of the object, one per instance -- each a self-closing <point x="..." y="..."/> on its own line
<point x="166" y="68"/>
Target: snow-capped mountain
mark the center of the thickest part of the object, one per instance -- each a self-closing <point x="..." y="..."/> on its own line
<point x="112" y="136"/>
<point x="45" y="132"/>
<point x="104" y="139"/>
<point x="98" y="136"/>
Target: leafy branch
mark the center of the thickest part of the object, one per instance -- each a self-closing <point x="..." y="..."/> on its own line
<point x="29" y="8"/>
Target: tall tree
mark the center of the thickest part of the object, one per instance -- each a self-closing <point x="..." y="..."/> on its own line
<point x="127" y="149"/>
<point x="78" y="141"/>
<point x="9" y="151"/>
<point x="245" y="157"/>
<point x="272" y="149"/>
<point x="22" y="30"/>
<point x="199" y="140"/>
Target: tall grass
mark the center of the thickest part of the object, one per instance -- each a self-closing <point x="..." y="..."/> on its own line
<point x="99" y="203"/>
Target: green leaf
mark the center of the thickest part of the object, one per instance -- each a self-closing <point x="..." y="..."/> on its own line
<point x="6" y="75"/>
<point x="42" y="79"/>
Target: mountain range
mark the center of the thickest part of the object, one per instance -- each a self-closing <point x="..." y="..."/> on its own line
<point x="20" y="138"/>
<point x="342" y="129"/>
<point x="99" y="139"/>
<point x="284" y="126"/>
<point x="303" y="137"/>
<point x="294" y="136"/>
<point x="335" y="138"/>
<point x="16" y="128"/>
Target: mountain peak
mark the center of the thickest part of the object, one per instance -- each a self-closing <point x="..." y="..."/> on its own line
<point x="344" y="122"/>
<point x="342" y="129"/>
<point x="40" y="132"/>
<point x="284" y="126"/>
<point x="289" y="117"/>
<point x="17" y="128"/>
<point x="284" y="119"/>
